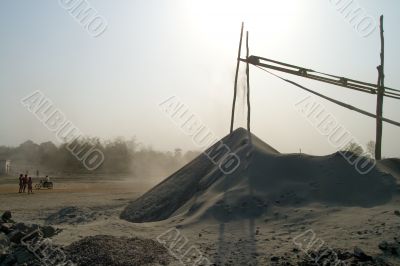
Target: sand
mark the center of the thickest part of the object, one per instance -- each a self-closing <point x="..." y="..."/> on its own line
<point x="255" y="216"/>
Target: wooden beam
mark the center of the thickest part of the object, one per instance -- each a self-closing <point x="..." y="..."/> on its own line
<point x="379" y="98"/>
<point x="322" y="77"/>
<point x="236" y="79"/>
<point x="248" y="84"/>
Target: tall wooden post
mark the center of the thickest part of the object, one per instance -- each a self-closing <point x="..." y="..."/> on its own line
<point x="379" y="103"/>
<point x="248" y="83"/>
<point x="236" y="79"/>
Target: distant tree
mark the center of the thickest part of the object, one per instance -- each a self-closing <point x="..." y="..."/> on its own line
<point x="47" y="153"/>
<point x="354" y="147"/>
<point x="178" y="153"/>
<point x="371" y="148"/>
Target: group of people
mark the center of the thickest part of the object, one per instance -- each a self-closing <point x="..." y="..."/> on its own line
<point x="25" y="181"/>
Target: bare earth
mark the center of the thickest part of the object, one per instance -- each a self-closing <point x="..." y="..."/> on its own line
<point x="245" y="242"/>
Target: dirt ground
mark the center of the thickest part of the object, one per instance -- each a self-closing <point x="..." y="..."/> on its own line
<point x="89" y="207"/>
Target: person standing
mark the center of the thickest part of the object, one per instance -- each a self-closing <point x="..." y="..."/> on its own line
<point x="21" y="182"/>
<point x="24" y="183"/>
<point x="30" y="185"/>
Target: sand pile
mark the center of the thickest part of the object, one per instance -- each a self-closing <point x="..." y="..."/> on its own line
<point x="263" y="179"/>
<point x="114" y="251"/>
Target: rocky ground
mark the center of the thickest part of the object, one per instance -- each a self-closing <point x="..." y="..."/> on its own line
<point x="31" y="245"/>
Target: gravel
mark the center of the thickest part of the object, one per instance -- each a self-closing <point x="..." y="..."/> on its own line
<point x="114" y="251"/>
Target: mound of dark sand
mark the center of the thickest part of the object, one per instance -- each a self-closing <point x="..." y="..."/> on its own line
<point x="105" y="250"/>
<point x="200" y="190"/>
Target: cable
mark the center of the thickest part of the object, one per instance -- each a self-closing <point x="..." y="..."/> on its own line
<point x="322" y="73"/>
<point x="348" y="106"/>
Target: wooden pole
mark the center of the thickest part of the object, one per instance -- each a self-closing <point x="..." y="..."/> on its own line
<point x="236" y="79"/>
<point x="379" y="103"/>
<point x="248" y="84"/>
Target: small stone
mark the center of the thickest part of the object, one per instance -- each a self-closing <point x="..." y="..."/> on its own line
<point x="274" y="258"/>
<point x="383" y="245"/>
<point x="49" y="231"/>
<point x="360" y="254"/>
<point x="15" y="236"/>
<point x="6" y="217"/>
<point x="5" y="227"/>
<point x="4" y="243"/>
<point x="23" y="255"/>
<point x="397" y="212"/>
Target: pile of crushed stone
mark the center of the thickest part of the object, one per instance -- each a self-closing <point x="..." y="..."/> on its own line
<point x="263" y="178"/>
<point x="114" y="251"/>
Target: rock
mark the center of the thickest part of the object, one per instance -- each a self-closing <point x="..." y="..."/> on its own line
<point x="22" y="255"/>
<point x="360" y="254"/>
<point x="274" y="258"/>
<point x="8" y="260"/>
<point x="383" y="245"/>
<point x="343" y="255"/>
<point x="390" y="248"/>
<point x="48" y="231"/>
<point x="15" y="236"/>
<point x="26" y="228"/>
<point x="6" y="217"/>
<point x="396" y="212"/>
<point x="6" y="227"/>
<point x="4" y="243"/>
<point x="2" y="258"/>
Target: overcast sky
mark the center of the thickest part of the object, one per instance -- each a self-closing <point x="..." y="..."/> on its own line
<point x="111" y="85"/>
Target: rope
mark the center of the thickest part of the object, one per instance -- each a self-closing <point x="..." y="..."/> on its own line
<point x="322" y="73"/>
<point x="345" y="105"/>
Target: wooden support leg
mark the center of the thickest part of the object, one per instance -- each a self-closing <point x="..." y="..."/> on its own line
<point x="379" y="104"/>
<point x="236" y="80"/>
<point x="248" y="84"/>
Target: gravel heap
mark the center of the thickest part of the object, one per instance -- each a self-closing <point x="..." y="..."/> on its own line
<point x="114" y="251"/>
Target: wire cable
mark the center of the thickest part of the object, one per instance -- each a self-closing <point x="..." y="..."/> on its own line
<point x="345" y="105"/>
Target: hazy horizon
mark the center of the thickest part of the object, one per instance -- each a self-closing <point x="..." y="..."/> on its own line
<point x="111" y="86"/>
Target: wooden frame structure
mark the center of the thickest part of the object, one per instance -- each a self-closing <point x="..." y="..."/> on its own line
<point x="379" y="89"/>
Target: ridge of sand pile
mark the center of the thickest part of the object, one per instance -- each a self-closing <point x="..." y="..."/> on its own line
<point x="200" y="190"/>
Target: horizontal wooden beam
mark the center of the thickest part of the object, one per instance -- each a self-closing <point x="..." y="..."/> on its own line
<point x="319" y="76"/>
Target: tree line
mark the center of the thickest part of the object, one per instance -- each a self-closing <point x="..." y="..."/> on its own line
<point x="120" y="156"/>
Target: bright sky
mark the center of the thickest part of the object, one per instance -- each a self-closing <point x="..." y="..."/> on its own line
<point x="111" y="85"/>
